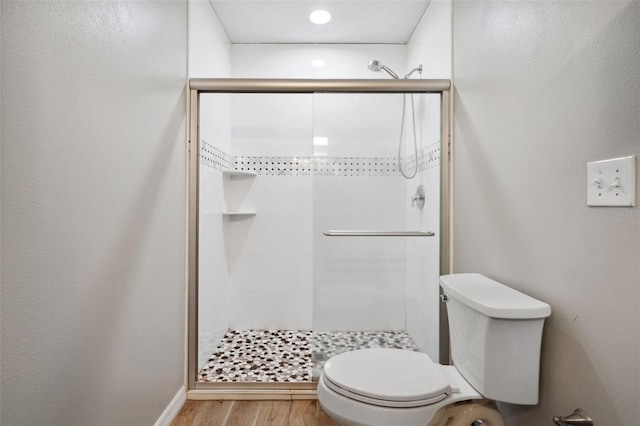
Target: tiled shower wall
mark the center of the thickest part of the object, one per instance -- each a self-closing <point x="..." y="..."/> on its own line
<point x="270" y="263"/>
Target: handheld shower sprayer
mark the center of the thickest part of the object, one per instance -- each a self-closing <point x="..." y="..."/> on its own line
<point x="377" y="66"/>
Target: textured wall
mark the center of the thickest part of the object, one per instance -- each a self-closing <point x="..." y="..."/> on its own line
<point x="93" y="210"/>
<point x="542" y="88"/>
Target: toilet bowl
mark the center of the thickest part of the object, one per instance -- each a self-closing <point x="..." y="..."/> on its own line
<point x="388" y="387"/>
<point x="495" y="335"/>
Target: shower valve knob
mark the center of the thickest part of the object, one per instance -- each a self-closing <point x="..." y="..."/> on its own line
<point x="419" y="197"/>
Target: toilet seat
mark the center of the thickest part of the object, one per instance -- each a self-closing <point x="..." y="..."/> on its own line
<point x="384" y="377"/>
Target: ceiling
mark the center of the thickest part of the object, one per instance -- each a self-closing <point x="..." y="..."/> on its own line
<point x="287" y="21"/>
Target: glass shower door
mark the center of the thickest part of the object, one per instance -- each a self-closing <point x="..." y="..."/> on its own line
<point x="360" y="283"/>
<point x="278" y="172"/>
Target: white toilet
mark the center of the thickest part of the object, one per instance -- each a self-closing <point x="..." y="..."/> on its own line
<point x="495" y="335"/>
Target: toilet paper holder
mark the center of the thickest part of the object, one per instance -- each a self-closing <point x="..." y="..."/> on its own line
<point x="578" y="418"/>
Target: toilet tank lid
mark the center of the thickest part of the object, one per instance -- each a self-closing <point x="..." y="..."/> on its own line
<point x="491" y="298"/>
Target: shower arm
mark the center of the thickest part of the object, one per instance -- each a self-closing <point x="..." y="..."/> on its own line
<point x="416" y="69"/>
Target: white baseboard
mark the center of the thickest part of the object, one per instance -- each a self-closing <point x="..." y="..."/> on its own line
<point x="173" y="408"/>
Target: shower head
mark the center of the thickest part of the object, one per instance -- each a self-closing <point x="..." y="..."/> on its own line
<point x="376" y="66"/>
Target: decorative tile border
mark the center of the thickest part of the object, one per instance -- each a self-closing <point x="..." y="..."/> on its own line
<point x="318" y="166"/>
<point x="429" y="157"/>
<point x="276" y="166"/>
<point x="214" y="158"/>
<point x="356" y="166"/>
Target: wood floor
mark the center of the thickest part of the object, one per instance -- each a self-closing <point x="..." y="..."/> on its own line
<point x="253" y="413"/>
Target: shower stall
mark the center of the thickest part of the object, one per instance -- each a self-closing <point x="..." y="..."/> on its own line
<point x="305" y="237"/>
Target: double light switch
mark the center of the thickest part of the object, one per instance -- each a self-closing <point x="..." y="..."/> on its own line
<point x="611" y="182"/>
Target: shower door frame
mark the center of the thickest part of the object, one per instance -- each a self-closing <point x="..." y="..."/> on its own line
<point x="198" y="86"/>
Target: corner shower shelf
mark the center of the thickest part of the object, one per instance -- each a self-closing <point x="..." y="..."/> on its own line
<point x="232" y="175"/>
<point x="239" y="213"/>
<point x="239" y="173"/>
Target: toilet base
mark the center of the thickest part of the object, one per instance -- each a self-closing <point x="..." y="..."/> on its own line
<point x="466" y="413"/>
<point x="350" y="412"/>
<point x="463" y="406"/>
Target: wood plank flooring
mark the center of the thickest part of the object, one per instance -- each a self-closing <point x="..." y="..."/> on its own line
<point x="253" y="413"/>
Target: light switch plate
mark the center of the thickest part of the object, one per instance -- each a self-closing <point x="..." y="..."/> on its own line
<point x="611" y="182"/>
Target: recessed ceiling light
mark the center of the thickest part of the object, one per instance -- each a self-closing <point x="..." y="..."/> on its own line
<point x="320" y="17"/>
<point x="318" y="63"/>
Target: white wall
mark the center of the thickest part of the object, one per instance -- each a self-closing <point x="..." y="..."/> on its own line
<point x="294" y="60"/>
<point x="430" y="45"/>
<point x="93" y="210"/>
<point x="210" y="56"/>
<point x="542" y="88"/>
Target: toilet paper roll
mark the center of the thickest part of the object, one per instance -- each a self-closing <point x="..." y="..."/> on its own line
<point x="472" y="412"/>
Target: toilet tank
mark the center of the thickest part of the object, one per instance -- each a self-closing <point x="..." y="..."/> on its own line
<point x="495" y="334"/>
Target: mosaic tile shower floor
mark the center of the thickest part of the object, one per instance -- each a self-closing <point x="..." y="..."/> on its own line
<point x="289" y="355"/>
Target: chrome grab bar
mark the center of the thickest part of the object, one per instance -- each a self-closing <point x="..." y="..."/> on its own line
<point x="350" y="233"/>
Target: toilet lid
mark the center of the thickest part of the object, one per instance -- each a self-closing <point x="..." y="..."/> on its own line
<point x="387" y="377"/>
